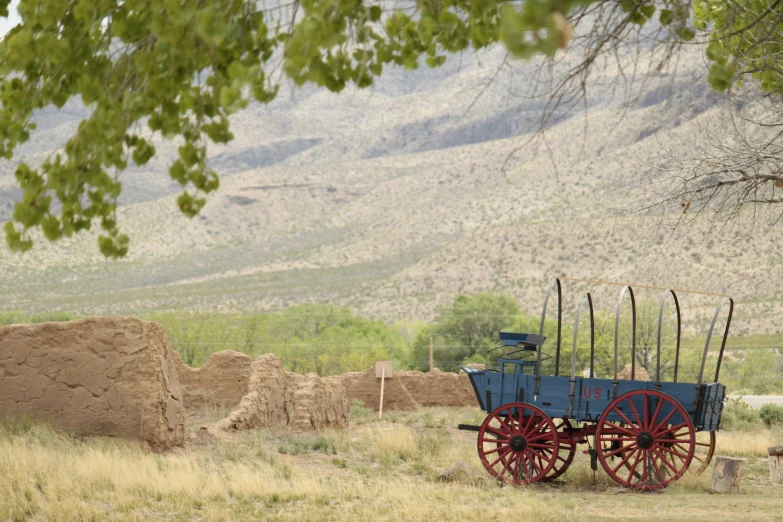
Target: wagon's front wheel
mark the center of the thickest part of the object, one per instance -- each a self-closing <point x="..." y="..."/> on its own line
<point x="518" y="443"/>
<point x="645" y="440"/>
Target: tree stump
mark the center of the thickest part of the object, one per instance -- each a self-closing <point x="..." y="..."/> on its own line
<point x="775" y="464"/>
<point x="726" y="475"/>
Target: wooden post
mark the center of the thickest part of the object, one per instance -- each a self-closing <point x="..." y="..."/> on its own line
<point x="726" y="475"/>
<point x="383" y="378"/>
<point x="381" y="373"/>
<point x="430" y="352"/>
<point x="775" y="464"/>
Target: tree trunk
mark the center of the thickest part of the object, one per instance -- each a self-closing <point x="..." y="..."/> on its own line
<point x="775" y="464"/>
<point x="726" y="476"/>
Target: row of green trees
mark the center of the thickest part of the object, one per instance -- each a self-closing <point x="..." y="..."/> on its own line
<point x="330" y="340"/>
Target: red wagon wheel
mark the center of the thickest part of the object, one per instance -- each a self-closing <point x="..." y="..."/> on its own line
<point x="518" y="443"/>
<point x="565" y="455"/>
<point x="652" y="436"/>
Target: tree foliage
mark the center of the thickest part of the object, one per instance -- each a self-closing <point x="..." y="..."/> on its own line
<point x="323" y="339"/>
<point x="181" y="68"/>
<point x="466" y="330"/>
<point x="745" y="39"/>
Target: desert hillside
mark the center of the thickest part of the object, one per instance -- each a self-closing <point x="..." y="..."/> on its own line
<point x="394" y="199"/>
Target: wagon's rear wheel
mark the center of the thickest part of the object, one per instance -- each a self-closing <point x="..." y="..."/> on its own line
<point x="566" y="452"/>
<point x="703" y="452"/>
<point x="518" y="443"/>
<point x="652" y="435"/>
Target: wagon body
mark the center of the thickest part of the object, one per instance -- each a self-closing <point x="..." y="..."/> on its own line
<point x="644" y="433"/>
<point x="704" y="404"/>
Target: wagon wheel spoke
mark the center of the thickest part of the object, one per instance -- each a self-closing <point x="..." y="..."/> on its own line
<point x="539" y="437"/>
<point x="495" y="450"/>
<point x="670" y="466"/>
<point x="509" y="429"/>
<point x="625" y="459"/>
<point x="526" y="429"/>
<point x="665" y="421"/>
<point x="625" y="419"/>
<point x="497" y="433"/>
<point x="633" y="467"/>
<point x="533" y="462"/>
<point x="664" y="431"/>
<point x="501" y="456"/>
<point x="623" y="430"/>
<point x="657" y="411"/>
<point x="675" y="453"/>
<point x="621" y="449"/>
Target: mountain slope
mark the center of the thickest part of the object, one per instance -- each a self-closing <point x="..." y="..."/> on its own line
<point x="394" y="200"/>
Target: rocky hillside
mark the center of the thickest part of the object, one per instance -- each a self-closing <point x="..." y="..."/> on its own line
<point x="393" y="200"/>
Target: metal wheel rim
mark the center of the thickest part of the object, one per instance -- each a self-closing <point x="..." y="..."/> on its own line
<point x="664" y="451"/>
<point x="497" y="434"/>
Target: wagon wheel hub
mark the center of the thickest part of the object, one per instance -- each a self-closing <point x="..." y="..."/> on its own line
<point x="645" y="439"/>
<point x="518" y="443"/>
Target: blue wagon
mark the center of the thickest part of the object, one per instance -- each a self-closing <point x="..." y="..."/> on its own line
<point x="644" y="433"/>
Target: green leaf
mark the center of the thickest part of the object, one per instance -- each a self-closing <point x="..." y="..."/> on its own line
<point x="721" y="76"/>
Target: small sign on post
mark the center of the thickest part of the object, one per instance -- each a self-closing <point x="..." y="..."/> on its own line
<point x="383" y="370"/>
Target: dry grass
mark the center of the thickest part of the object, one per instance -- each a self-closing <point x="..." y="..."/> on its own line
<point x="747" y="443"/>
<point x="378" y="471"/>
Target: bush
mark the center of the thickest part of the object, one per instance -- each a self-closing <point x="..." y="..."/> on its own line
<point x="324" y="444"/>
<point x="772" y="415"/>
<point x="738" y="416"/>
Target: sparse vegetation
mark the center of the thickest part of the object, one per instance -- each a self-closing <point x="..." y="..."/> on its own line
<point x="772" y="415"/>
<point x="381" y="468"/>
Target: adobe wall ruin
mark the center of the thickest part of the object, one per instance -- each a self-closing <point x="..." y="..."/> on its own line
<point x="366" y="387"/>
<point x="113" y="376"/>
<point x="405" y="391"/>
<point x="219" y="384"/>
<point x="437" y="388"/>
<point x="276" y="398"/>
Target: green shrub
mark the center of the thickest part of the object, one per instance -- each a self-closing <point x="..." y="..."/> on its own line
<point x="324" y="444"/>
<point x="772" y="415"/>
<point x="738" y="416"/>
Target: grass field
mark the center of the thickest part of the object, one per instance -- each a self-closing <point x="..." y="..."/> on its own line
<point x="375" y="470"/>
